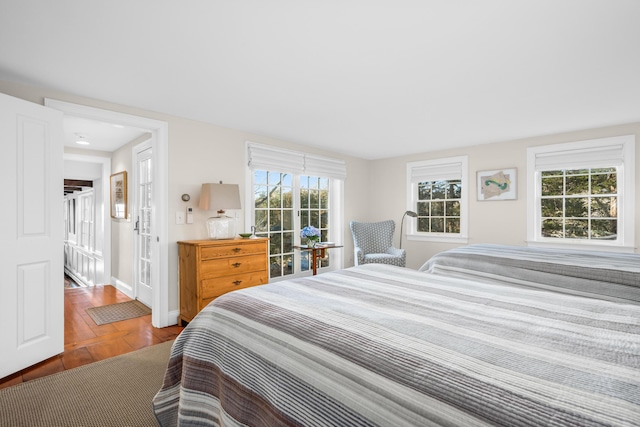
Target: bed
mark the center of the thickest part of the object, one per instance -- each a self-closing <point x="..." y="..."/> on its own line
<point x="480" y="335"/>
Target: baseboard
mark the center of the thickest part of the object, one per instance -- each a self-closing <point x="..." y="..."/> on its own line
<point x="122" y="287"/>
<point x="173" y="317"/>
<point x="79" y="280"/>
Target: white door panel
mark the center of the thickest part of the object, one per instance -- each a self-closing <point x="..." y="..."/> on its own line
<point x="31" y="231"/>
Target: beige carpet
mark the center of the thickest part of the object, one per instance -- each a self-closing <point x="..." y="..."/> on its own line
<point x="117" y="312"/>
<point x="112" y="392"/>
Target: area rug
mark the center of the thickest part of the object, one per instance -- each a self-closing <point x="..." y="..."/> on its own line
<point x="112" y="392"/>
<point x="117" y="312"/>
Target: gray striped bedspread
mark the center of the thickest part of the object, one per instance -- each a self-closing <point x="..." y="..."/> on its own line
<point x="377" y="345"/>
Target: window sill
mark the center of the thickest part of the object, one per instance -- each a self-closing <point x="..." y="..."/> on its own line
<point x="586" y="245"/>
<point x="437" y="237"/>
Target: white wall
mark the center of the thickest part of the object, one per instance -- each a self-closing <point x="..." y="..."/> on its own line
<point x="201" y="152"/>
<point x="374" y="190"/>
<point x="489" y="221"/>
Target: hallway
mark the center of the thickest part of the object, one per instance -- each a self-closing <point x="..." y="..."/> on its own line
<point x="85" y="342"/>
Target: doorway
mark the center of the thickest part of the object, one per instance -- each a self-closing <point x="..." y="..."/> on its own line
<point x="158" y="235"/>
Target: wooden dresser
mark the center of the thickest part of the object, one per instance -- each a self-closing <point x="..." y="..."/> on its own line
<point x="210" y="268"/>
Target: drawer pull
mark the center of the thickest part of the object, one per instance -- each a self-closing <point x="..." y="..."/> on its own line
<point x="236" y="250"/>
<point x="236" y="264"/>
<point x="237" y="282"/>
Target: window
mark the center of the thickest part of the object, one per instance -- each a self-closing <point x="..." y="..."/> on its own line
<point x="437" y="192"/>
<point x="581" y="193"/>
<point x="291" y="190"/>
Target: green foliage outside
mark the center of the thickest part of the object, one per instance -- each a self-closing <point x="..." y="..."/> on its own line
<point x="579" y="203"/>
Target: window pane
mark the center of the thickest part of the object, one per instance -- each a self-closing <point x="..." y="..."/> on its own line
<point x="260" y="196"/>
<point x="437" y="208"/>
<point x="423" y="225"/>
<point x="274" y="197"/>
<point x="604" y="228"/>
<point x="314" y="218"/>
<point x="313" y="182"/>
<point x="604" y="184"/>
<point x="287" y="264"/>
<point x="439" y="189"/>
<point x="324" y="199"/>
<point x="423" y="208"/>
<point x="276" y="266"/>
<point x="261" y="220"/>
<point x="287" y="242"/>
<point x="424" y="191"/>
<point x="577" y="228"/>
<point x="455" y="190"/>
<point x="275" y="244"/>
<point x="453" y="225"/>
<point x="287" y="220"/>
<point x="437" y="225"/>
<point x="551" y="207"/>
<point x="275" y="221"/>
<point x="260" y="178"/>
<point x="274" y="178"/>
<point x="324" y="219"/>
<point x="552" y="228"/>
<point x="604" y="207"/>
<point x="577" y="207"/>
<point x="453" y="208"/>
<point x="552" y="186"/>
<point x="577" y="185"/>
<point x="287" y="197"/>
<point x="304" y="218"/>
<point x="314" y="199"/>
<point x="304" y="199"/>
<point x="324" y="183"/>
<point x="287" y="179"/>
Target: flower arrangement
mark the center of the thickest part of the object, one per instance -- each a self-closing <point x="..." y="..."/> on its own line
<point x="312" y="235"/>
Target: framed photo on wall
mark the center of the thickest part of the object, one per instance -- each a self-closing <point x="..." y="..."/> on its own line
<point x="499" y="184"/>
<point x="119" y="195"/>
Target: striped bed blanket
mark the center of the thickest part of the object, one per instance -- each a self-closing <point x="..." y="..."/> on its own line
<point x="378" y="345"/>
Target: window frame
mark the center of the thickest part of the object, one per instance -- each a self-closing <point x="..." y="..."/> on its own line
<point x="310" y="165"/>
<point x="459" y="164"/>
<point x="584" y="154"/>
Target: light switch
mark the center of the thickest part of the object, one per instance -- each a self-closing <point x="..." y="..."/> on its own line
<point x="180" y="217"/>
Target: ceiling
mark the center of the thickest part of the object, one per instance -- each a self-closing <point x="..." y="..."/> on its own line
<point x="97" y="135"/>
<point x="368" y="78"/>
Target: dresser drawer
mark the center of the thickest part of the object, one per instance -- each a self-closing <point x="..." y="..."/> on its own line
<point x="232" y="266"/>
<point x="215" y="287"/>
<point x="230" y="250"/>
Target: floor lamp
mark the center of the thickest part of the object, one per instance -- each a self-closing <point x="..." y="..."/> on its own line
<point x="412" y="214"/>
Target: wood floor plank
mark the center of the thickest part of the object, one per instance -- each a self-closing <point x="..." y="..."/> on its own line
<point x="86" y="342"/>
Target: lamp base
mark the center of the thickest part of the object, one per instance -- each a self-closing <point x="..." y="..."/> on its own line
<point x="221" y="227"/>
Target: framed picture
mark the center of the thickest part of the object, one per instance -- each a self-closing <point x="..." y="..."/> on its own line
<point x="499" y="184"/>
<point x="119" y="195"/>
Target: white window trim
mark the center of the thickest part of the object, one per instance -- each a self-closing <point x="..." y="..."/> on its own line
<point x="334" y="169"/>
<point x="410" y="225"/>
<point x="626" y="195"/>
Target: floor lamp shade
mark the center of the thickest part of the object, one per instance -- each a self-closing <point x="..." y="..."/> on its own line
<point x="219" y="198"/>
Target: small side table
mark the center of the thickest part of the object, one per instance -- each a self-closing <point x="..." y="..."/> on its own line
<point x="317" y="253"/>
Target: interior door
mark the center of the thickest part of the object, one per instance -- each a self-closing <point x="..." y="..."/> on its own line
<point x="31" y="232"/>
<point x="144" y="219"/>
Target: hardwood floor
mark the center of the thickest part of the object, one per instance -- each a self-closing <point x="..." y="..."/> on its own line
<point x="85" y="342"/>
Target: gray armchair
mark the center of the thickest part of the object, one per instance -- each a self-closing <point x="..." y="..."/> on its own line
<point x="373" y="243"/>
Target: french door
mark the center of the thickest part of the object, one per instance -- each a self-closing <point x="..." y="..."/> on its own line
<point x="144" y="215"/>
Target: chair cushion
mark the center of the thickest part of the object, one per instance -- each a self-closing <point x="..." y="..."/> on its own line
<point x="384" y="259"/>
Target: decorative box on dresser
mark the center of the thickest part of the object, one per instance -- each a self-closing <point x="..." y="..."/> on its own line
<point x="210" y="268"/>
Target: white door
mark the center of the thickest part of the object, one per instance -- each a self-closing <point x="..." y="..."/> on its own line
<point x="143" y="226"/>
<point x="31" y="232"/>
